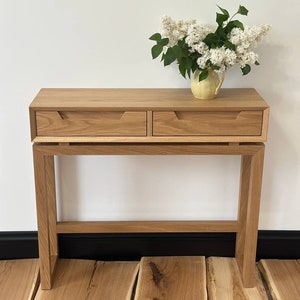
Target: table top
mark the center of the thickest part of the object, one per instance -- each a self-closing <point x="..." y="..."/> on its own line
<point x="144" y="99"/>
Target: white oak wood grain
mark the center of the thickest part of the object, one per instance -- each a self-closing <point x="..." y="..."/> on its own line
<point x="224" y="281"/>
<point x="170" y="278"/>
<point x="282" y="277"/>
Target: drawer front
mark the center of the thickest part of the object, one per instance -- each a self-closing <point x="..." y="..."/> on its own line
<point x="220" y="123"/>
<point x="85" y="123"/>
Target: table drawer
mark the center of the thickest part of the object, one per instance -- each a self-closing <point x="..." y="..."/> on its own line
<point x="87" y="123"/>
<point x="215" y="123"/>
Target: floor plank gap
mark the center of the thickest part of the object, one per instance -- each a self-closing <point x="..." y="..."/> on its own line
<point x="265" y="284"/>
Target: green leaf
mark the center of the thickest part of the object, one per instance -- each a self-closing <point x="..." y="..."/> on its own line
<point x="182" y="70"/>
<point x="243" y="10"/>
<point x="177" y="51"/>
<point x="214" y="67"/>
<point x="163" y="42"/>
<point x="221" y="33"/>
<point x="155" y="37"/>
<point x="188" y="62"/>
<point x="169" y="57"/>
<point x="246" y="69"/>
<point x="184" y="47"/>
<point x="229" y="45"/>
<point x="211" y="39"/>
<point x="156" y="50"/>
<point x="221" y="19"/>
<point x="203" y="74"/>
<point x="224" y="11"/>
<point x="234" y="24"/>
<point x="195" y="67"/>
<point x="181" y="43"/>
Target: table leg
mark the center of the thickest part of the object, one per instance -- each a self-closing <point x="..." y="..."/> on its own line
<point x="46" y="212"/>
<point x="51" y="199"/>
<point x="248" y="215"/>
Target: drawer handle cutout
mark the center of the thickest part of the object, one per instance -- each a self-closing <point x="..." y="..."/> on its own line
<point x="61" y="115"/>
<point x="179" y="115"/>
<point x="233" y="114"/>
<point x="114" y="115"/>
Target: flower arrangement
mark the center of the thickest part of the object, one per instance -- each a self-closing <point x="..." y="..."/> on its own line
<point x="204" y="47"/>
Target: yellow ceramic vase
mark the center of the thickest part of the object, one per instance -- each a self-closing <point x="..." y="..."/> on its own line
<point x="207" y="88"/>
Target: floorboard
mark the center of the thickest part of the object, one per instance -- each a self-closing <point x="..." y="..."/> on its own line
<point x="224" y="281"/>
<point x="19" y="279"/>
<point x="71" y="281"/>
<point x="171" y="278"/>
<point x="155" y="278"/>
<point x="113" y="280"/>
<point x="282" y="277"/>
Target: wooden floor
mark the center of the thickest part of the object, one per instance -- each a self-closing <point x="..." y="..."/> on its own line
<point x="153" y="278"/>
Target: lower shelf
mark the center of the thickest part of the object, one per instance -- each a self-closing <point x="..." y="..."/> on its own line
<point x="146" y="226"/>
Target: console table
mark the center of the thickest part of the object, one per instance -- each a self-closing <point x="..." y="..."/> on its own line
<point x="148" y="122"/>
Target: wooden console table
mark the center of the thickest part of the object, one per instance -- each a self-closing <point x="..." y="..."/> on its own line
<point x="153" y="122"/>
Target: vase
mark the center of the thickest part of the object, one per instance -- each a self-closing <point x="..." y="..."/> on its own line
<point x="207" y="88"/>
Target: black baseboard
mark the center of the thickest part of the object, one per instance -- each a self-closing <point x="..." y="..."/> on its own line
<point x="271" y="244"/>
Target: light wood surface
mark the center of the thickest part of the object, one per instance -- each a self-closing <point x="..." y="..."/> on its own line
<point x="146" y="226"/>
<point x="135" y="113"/>
<point x="216" y="123"/>
<point x="83" y="123"/>
<point x="113" y="281"/>
<point x="224" y="281"/>
<point x="143" y="99"/>
<point x="148" y="149"/>
<point x="170" y="278"/>
<point x="40" y="171"/>
<point x="149" y="139"/>
<point x="248" y="214"/>
<point x="282" y="277"/>
<point x="148" y="122"/>
<point x="19" y="279"/>
<point x="72" y="280"/>
<point x="51" y="199"/>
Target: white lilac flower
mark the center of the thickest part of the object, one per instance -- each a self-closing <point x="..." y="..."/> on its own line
<point x="196" y="34"/>
<point x="230" y="58"/>
<point x="174" y="30"/>
<point x="167" y="27"/>
<point x="217" y="56"/>
<point x="247" y="58"/>
<point x="222" y="57"/>
<point x="202" y="61"/>
<point x="247" y="38"/>
<point x="245" y="41"/>
<point x="201" y="48"/>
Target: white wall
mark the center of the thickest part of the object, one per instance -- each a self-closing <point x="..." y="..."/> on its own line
<point x="90" y="43"/>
